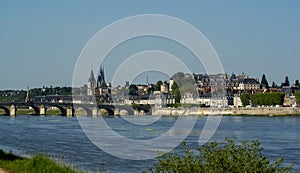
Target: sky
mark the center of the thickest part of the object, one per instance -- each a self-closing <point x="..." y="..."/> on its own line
<point x="40" y="41"/>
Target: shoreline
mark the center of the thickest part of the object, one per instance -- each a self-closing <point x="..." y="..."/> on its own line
<point x="253" y="111"/>
<point x="10" y="162"/>
<point x="196" y="111"/>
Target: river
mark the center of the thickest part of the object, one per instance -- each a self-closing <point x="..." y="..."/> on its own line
<point x="63" y="137"/>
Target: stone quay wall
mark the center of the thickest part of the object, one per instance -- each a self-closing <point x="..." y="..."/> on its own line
<point x="267" y="111"/>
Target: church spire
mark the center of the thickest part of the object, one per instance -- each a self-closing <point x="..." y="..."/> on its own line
<point x="91" y="84"/>
<point x="92" y="77"/>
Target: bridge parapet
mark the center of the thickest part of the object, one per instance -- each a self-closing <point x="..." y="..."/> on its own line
<point x="68" y="109"/>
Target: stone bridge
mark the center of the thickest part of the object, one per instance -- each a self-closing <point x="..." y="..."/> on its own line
<point x="69" y="109"/>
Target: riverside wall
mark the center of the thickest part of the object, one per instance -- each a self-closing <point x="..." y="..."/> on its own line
<point x="267" y="111"/>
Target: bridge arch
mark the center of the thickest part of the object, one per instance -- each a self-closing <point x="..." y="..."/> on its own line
<point x="79" y="110"/>
<point x="6" y="110"/>
<point x="62" y="109"/>
<point x="126" y="110"/>
<point x="109" y="108"/>
<point x="35" y="108"/>
<point x="105" y="111"/>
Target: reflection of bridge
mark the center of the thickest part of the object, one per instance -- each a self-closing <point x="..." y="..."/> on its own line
<point x="69" y="109"/>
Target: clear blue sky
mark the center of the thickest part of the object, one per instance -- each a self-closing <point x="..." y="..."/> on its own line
<point x="40" y="40"/>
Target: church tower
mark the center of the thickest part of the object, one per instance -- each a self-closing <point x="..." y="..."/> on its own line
<point x="101" y="79"/>
<point x="91" y="84"/>
<point x="101" y="84"/>
<point x="103" y="90"/>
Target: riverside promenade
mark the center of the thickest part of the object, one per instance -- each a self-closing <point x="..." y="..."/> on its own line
<point x="263" y="111"/>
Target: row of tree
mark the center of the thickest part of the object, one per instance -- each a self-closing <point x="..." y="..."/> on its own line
<point x="259" y="99"/>
<point x="265" y="84"/>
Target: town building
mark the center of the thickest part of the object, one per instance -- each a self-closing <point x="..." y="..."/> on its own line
<point x="100" y="89"/>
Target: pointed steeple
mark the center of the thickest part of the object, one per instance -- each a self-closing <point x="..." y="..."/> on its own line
<point x="103" y="76"/>
<point x="92" y="77"/>
<point x="91" y="84"/>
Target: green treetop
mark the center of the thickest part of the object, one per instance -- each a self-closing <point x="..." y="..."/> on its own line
<point x="274" y="85"/>
<point x="158" y="84"/>
<point x="133" y="89"/>
<point x="286" y="82"/>
<point x="297" y="84"/>
<point x="264" y="82"/>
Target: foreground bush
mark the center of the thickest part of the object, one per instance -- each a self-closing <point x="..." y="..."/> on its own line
<point x="37" y="164"/>
<point x="215" y="158"/>
<point x="8" y="156"/>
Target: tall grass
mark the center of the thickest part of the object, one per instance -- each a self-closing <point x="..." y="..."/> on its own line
<point x="37" y="164"/>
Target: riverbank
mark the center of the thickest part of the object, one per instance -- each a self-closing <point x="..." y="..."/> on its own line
<point x="31" y="112"/>
<point x="261" y="111"/>
<point x="11" y="163"/>
<point x="194" y="111"/>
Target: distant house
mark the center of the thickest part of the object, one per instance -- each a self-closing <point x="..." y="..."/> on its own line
<point x="249" y="84"/>
<point x="219" y="102"/>
<point x="157" y="98"/>
<point x="189" y="98"/>
<point x="53" y="99"/>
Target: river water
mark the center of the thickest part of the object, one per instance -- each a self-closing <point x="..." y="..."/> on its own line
<point x="63" y="137"/>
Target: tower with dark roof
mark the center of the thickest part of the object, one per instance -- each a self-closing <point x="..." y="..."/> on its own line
<point x="103" y="91"/>
<point x="91" y="84"/>
<point x="100" y="89"/>
<point x="101" y="79"/>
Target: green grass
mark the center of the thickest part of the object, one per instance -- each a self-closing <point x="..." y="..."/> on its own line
<point x="53" y="112"/>
<point x="37" y="164"/>
<point x="25" y="112"/>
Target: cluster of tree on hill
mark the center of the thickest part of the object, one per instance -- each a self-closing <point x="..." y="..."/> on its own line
<point x="133" y="90"/>
<point x="20" y="95"/>
<point x="11" y="95"/>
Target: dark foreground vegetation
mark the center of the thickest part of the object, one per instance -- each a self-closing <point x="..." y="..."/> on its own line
<point x="212" y="158"/>
<point x="220" y="158"/>
<point x="37" y="164"/>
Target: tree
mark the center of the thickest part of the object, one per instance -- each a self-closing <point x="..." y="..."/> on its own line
<point x="158" y="84"/>
<point x="274" y="85"/>
<point x="133" y="89"/>
<point x="176" y="92"/>
<point x="297" y="84"/>
<point x="297" y="95"/>
<point x="245" y="98"/>
<point x="267" y="99"/>
<point x="151" y="88"/>
<point x="224" y="157"/>
<point x="264" y="82"/>
<point x="177" y="96"/>
<point x="286" y="81"/>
